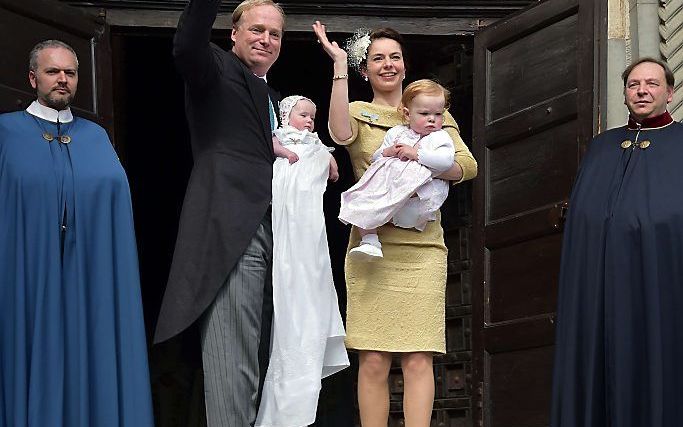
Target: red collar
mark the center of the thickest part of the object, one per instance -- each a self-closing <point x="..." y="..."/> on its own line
<point x="651" y="122"/>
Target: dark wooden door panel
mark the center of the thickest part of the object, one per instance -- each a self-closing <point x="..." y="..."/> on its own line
<point x="533" y="91"/>
<point x="513" y="374"/>
<point x="518" y="288"/>
<point x="531" y="172"/>
<point x="520" y="228"/>
<point x="31" y="21"/>
<point x="17" y="54"/>
<point x="557" y="109"/>
<point x="521" y="78"/>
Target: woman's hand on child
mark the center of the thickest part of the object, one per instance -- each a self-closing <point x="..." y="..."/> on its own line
<point x="334" y="170"/>
<point x="406" y="152"/>
<point x="292" y="157"/>
<point x="332" y="48"/>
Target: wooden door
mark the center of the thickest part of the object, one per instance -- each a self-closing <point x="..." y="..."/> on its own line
<point x="27" y="22"/>
<point x="533" y="116"/>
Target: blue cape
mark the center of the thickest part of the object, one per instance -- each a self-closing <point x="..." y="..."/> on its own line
<point x="619" y="336"/>
<point x="72" y="341"/>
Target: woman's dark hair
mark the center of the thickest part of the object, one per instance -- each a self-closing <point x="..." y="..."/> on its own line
<point x="389" y="33"/>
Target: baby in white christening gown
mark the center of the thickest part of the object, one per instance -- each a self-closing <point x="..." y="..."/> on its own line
<point x="307" y="338"/>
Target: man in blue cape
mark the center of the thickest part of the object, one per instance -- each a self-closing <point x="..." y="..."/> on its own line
<point x="619" y="339"/>
<point x="72" y="340"/>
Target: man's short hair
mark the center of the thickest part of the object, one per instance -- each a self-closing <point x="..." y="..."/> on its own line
<point x="47" y="44"/>
<point x="248" y="4"/>
<point x="670" y="79"/>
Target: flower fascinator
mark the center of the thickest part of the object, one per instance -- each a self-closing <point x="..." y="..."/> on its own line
<point x="357" y="48"/>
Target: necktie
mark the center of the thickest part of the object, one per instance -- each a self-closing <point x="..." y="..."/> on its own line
<point x="273" y="120"/>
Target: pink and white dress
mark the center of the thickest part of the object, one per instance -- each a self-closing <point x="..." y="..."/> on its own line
<point x="404" y="193"/>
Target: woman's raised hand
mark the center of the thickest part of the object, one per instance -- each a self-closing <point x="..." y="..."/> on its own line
<point x="339" y="118"/>
<point x="332" y="48"/>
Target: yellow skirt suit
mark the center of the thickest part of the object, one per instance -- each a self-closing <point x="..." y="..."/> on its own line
<point x="397" y="304"/>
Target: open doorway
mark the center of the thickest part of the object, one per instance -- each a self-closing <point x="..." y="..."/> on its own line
<point x="153" y="142"/>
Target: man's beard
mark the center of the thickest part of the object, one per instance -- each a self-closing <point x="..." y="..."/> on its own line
<point x="58" y="103"/>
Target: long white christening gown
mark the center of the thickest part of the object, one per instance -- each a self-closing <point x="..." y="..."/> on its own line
<point x="307" y="342"/>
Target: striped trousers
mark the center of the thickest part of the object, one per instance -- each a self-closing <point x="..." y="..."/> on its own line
<point x="236" y="336"/>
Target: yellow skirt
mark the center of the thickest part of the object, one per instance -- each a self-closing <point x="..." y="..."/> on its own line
<point x="397" y="304"/>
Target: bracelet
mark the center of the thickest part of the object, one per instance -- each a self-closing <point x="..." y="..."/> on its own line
<point x="340" y="77"/>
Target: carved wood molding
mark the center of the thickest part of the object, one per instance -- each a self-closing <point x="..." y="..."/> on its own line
<point x="671" y="47"/>
<point x="132" y="18"/>
<point x="394" y="8"/>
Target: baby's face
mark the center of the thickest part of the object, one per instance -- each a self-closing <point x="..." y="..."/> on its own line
<point x="425" y="113"/>
<point x="302" y="115"/>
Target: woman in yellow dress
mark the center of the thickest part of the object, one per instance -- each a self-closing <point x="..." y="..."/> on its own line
<point x="395" y="304"/>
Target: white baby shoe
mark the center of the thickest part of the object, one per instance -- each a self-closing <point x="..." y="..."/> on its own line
<point x="366" y="252"/>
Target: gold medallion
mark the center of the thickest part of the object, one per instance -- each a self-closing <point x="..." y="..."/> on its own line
<point x="626" y="143"/>
<point x="644" y="144"/>
<point x="47" y="136"/>
<point x="65" y="139"/>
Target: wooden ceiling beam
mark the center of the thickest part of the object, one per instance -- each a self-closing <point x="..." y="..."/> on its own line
<point x="335" y="24"/>
<point x="393" y="8"/>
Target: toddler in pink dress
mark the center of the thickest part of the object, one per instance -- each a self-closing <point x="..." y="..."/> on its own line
<point x="400" y="185"/>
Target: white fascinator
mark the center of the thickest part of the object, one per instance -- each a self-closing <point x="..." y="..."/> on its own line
<point x="357" y="48"/>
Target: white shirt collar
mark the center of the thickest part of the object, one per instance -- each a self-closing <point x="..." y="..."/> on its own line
<point x="50" y="114"/>
<point x="264" y="78"/>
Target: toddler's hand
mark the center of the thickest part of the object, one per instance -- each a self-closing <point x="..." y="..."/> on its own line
<point x="406" y="152"/>
<point x="389" y="151"/>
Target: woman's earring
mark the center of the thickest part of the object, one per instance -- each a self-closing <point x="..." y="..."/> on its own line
<point x="365" y="78"/>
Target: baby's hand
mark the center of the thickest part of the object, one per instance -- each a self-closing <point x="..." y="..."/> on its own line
<point x="389" y="151"/>
<point x="334" y="170"/>
<point x="406" y="152"/>
<point x="292" y="157"/>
